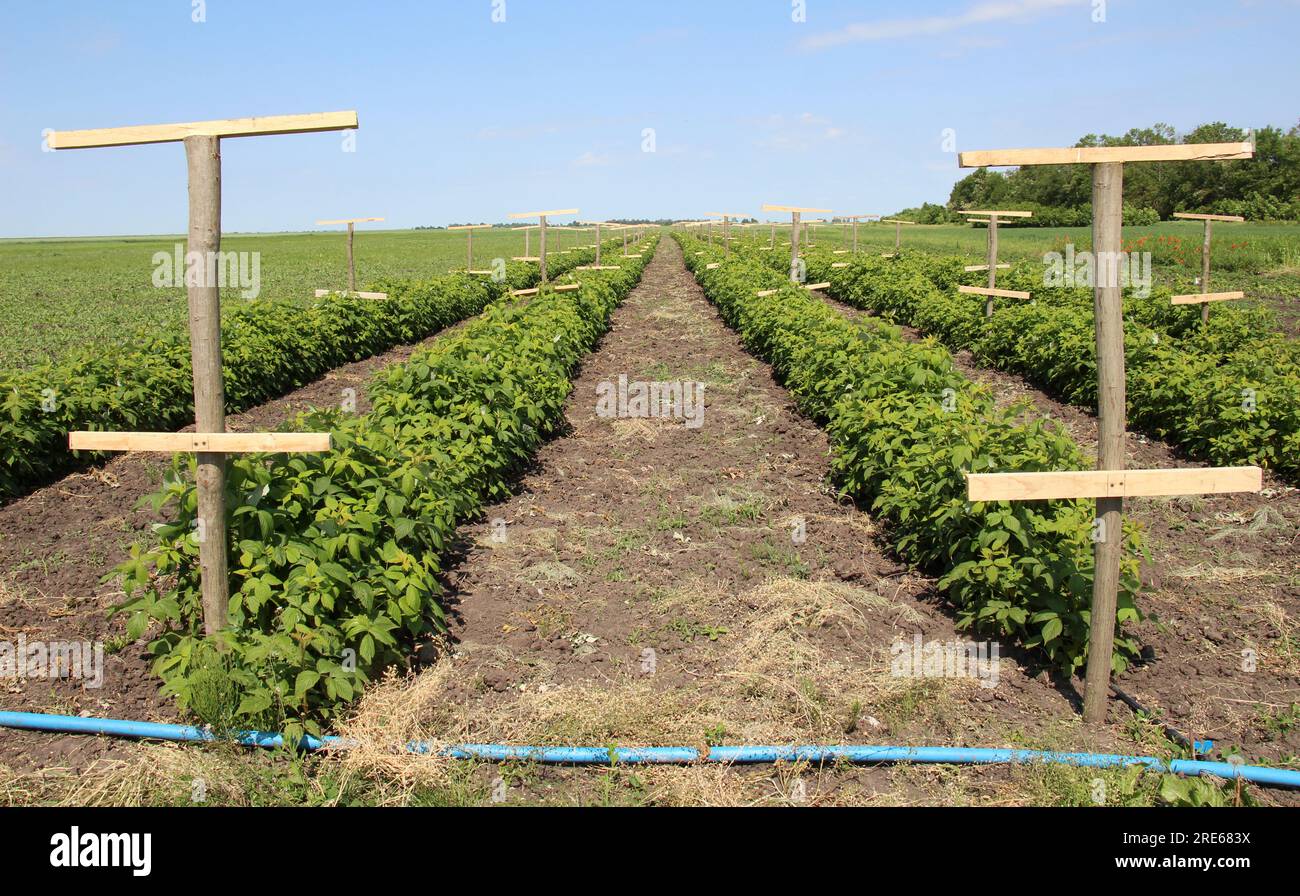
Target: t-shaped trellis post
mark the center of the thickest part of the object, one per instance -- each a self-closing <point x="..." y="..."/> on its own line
<point x="1110" y="484"/>
<point x="598" y="266"/>
<point x="202" y="140"/>
<point x="855" y="219"/>
<point x="469" y="244"/>
<point x="1206" y="297"/>
<point x="351" y="222"/>
<point x="726" y="230"/>
<point x="992" y="219"/>
<point x="795" y="211"/>
<point x="898" y="230"/>
<point x="541" y="239"/>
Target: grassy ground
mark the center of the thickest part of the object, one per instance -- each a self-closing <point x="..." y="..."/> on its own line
<point x="56" y="295"/>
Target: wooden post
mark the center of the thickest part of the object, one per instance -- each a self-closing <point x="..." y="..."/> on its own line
<point x="203" y="160"/>
<point x="1108" y="308"/>
<point x="541" y="246"/>
<point x="1107" y="228"/>
<point x="350" y="222"/>
<point x="795" y="212"/>
<point x="794" y="248"/>
<point x="202" y="142"/>
<point x="1205" y="256"/>
<point x="541" y="239"/>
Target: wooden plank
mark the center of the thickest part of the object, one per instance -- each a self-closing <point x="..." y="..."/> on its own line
<point x="712" y="265"/>
<point x="895" y="221"/>
<point x="1094" y="155"/>
<point x="322" y="293"/>
<point x="840" y="252"/>
<point x="455" y="226"/>
<point x="972" y="268"/>
<point x="348" y="221"/>
<point x="999" y="214"/>
<point x="1057" y="486"/>
<point x="793" y="208"/>
<point x="1189" y="216"/>
<point x="840" y="264"/>
<point x="598" y="267"/>
<point x="554" y="211"/>
<point x="194" y="442"/>
<point x="985" y="291"/>
<point x="814" y="286"/>
<point x="221" y="127"/>
<point x="1200" y="298"/>
<point x="525" y="258"/>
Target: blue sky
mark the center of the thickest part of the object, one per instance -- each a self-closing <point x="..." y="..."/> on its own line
<point x="463" y="118"/>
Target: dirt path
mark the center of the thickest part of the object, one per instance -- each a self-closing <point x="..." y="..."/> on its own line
<point x="58" y="542"/>
<point x="645" y="586"/>
<point x="1222" y="593"/>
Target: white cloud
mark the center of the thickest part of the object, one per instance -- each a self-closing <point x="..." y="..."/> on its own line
<point x="897" y="29"/>
<point x="800" y="132"/>
<point x="590" y="159"/>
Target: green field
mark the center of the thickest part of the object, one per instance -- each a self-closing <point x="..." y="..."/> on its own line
<point x="60" y="294"/>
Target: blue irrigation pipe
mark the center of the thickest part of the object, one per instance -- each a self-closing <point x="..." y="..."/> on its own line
<point x="1257" y="774"/>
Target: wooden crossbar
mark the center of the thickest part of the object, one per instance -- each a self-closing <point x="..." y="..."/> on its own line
<point x="811" y="286"/>
<point x="534" y="290"/>
<point x="971" y="268"/>
<point x="194" y="442"/>
<point x="999" y="214"/>
<point x="1054" y="486"/>
<point x="895" y="221"/>
<point x="985" y="291"/>
<point x="554" y="211"/>
<point x="794" y="208"/>
<point x="347" y="221"/>
<point x="322" y="293"/>
<point x="1201" y="298"/>
<point x="1189" y="216"/>
<point x="222" y="127"/>
<point x="1093" y="155"/>
<point x="469" y="226"/>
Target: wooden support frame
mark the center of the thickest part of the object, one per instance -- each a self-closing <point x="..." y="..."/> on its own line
<point x="352" y="223"/>
<point x="985" y="291"/>
<point x="1206" y="295"/>
<point x="360" y="294"/>
<point x="1201" y="298"/>
<point x="194" y="442"/>
<point x="855" y="219"/>
<point x="541" y="239"/>
<point x="795" y="212"/>
<point x="202" y="141"/>
<point x="1107" y="227"/>
<point x="898" y="230"/>
<point x="1054" y="486"/>
<point x="726" y="229"/>
<point x="469" y="242"/>
<point x="992" y="219"/>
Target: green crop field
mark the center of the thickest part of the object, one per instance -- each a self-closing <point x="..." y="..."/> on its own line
<point x="59" y="294"/>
